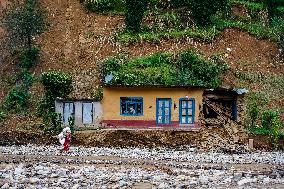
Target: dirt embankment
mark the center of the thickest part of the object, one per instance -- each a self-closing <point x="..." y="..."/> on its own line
<point x="138" y="138"/>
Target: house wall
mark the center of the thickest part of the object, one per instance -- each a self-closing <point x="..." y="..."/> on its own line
<point x="97" y="111"/>
<point x="111" y="104"/>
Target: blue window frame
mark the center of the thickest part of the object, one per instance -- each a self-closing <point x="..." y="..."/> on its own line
<point x="131" y="106"/>
<point x="186" y="110"/>
<point x="163" y="110"/>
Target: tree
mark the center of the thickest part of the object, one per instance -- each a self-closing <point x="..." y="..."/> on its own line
<point x="22" y="22"/>
<point x="135" y="10"/>
<point x="203" y="10"/>
<point x="272" y="6"/>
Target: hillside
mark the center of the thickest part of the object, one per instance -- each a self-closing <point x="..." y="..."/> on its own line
<point x="78" y="41"/>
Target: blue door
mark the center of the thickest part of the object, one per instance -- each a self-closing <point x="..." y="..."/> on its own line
<point x="186" y="111"/>
<point x="163" y="110"/>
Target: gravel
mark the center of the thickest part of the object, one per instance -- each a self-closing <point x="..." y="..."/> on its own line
<point x="105" y="168"/>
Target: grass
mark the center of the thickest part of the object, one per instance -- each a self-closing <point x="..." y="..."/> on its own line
<point x="170" y="25"/>
<point x="258" y="130"/>
<point x="249" y="5"/>
<point x="257" y="29"/>
<point x="201" y="34"/>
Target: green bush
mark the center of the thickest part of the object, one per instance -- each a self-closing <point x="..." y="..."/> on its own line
<point x="57" y="84"/>
<point x="202" y="11"/>
<point x="28" y="58"/>
<point x="197" y="71"/>
<point x="26" y="77"/>
<point x="268" y="116"/>
<point x="253" y="112"/>
<point x="17" y="98"/>
<point x="272" y="7"/>
<point x="271" y="120"/>
<point x="135" y="10"/>
<point x="52" y="122"/>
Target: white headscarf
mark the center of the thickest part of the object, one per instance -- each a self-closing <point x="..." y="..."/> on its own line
<point x="66" y="129"/>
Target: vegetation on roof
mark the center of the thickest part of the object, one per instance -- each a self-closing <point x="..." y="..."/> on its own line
<point x="187" y="68"/>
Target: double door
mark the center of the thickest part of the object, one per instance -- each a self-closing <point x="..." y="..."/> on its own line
<point x="163" y="111"/>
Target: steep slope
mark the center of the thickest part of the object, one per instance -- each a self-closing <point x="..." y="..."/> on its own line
<point x="78" y="41"/>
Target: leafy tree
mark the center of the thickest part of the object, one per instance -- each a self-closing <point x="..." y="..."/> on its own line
<point x="135" y="10"/>
<point x="203" y="10"/>
<point x="272" y="6"/>
<point x="23" y="21"/>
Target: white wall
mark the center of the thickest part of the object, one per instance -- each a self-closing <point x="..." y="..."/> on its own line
<point x="97" y="112"/>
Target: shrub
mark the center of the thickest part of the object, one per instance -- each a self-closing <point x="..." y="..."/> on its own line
<point x="202" y="11"/>
<point x="28" y="58"/>
<point x="56" y="84"/>
<point x="271" y="120"/>
<point x="197" y="71"/>
<point x="17" y="98"/>
<point x="268" y="116"/>
<point x="253" y="111"/>
<point x="53" y="122"/>
<point x="135" y="10"/>
<point x="26" y="77"/>
<point x="272" y="8"/>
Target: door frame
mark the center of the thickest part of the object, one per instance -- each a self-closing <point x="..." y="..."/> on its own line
<point x="180" y="110"/>
<point x="170" y="110"/>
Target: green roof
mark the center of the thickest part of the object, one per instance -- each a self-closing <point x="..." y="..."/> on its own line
<point x="187" y="68"/>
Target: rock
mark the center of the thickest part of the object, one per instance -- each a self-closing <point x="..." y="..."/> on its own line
<point x="62" y="173"/>
<point x="237" y="176"/>
<point x="266" y="180"/>
<point x="163" y="185"/>
<point x="122" y="183"/>
<point x="34" y="180"/>
<point x="19" y="170"/>
<point x="246" y="181"/>
<point x="76" y="186"/>
<point x="5" y="186"/>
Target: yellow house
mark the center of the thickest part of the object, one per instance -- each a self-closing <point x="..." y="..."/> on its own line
<point x="152" y="106"/>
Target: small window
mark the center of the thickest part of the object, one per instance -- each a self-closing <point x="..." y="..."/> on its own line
<point x="68" y="111"/>
<point x="87" y="111"/>
<point x="131" y="106"/>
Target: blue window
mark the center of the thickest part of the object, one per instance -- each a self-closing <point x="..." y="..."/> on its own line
<point x="131" y="106"/>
